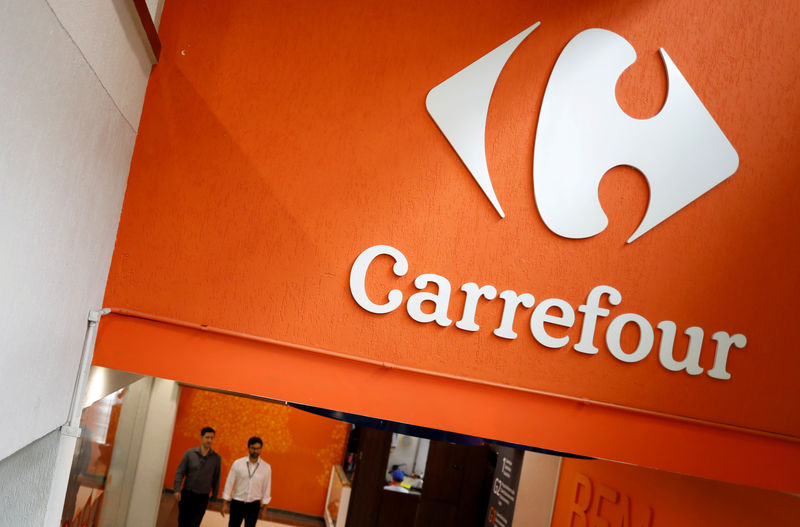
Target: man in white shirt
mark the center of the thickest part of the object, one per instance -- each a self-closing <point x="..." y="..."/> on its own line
<point x="248" y="487"/>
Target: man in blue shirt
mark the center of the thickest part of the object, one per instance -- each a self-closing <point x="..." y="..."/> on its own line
<point x="199" y="471"/>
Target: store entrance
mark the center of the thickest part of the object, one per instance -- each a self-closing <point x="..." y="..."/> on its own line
<point x="453" y="491"/>
<point x="331" y="469"/>
<point x="328" y="468"/>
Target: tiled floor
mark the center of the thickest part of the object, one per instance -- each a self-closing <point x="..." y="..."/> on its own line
<point x="168" y="517"/>
<point x="214" y="519"/>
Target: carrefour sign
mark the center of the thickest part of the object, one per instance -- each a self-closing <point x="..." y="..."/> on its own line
<point x="582" y="133"/>
<point x="544" y="314"/>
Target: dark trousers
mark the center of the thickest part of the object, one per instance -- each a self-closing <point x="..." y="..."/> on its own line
<point x="244" y="511"/>
<point x="191" y="508"/>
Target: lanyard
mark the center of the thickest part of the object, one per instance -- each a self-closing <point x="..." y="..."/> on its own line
<point x="251" y="474"/>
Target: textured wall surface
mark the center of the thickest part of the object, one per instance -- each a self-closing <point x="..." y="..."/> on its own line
<point x="22" y="503"/>
<point x="122" y="67"/>
<point x="276" y="146"/>
<point x="70" y="96"/>
<point x="299" y="446"/>
<point x="597" y="492"/>
<point x="268" y="160"/>
<point x="65" y="152"/>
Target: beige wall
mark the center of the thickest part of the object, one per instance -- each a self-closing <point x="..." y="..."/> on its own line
<point x="537" y="490"/>
<point x="141" y="448"/>
<point x="153" y="454"/>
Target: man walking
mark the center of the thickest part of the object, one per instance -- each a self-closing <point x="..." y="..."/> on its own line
<point x="248" y="487"/>
<point x="200" y="467"/>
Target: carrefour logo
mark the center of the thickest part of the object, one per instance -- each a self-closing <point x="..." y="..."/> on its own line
<point x="582" y="133"/>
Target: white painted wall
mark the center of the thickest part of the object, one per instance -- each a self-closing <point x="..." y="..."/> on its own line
<point x="65" y="152"/>
<point x="124" y="67"/>
<point x="125" y="455"/>
<point x="103" y="381"/>
<point x="153" y="454"/>
<point x="403" y="452"/>
<point x="536" y="493"/>
<point x="422" y="456"/>
<point x="71" y="89"/>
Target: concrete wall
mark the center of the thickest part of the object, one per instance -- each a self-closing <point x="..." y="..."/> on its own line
<point x="71" y="89"/>
<point x="26" y="483"/>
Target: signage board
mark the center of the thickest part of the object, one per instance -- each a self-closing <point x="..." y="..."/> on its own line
<point x="503" y="497"/>
<point x="614" y="241"/>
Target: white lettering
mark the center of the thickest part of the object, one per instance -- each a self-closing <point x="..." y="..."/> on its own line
<point x="474" y="293"/>
<point x="441" y="300"/>
<point x="358" y="275"/>
<point x="512" y="300"/>
<point x="540" y="317"/>
<point x="591" y="310"/>
<point x="724" y="342"/>
<point x="666" y="351"/>
<point x="614" y="334"/>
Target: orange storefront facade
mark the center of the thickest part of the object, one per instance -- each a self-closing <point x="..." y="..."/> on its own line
<point x="279" y="142"/>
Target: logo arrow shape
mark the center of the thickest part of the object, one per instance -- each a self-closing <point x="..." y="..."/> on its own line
<point x="459" y="107"/>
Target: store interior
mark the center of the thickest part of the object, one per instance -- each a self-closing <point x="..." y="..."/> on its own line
<point x="329" y="468"/>
<point x="334" y="469"/>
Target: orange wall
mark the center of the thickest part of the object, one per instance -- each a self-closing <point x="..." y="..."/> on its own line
<point x="300" y="447"/>
<point x="279" y="140"/>
<point x="602" y="494"/>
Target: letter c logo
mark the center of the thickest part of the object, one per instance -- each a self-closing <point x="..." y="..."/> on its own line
<point x="582" y="133"/>
<point x="358" y="275"/>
